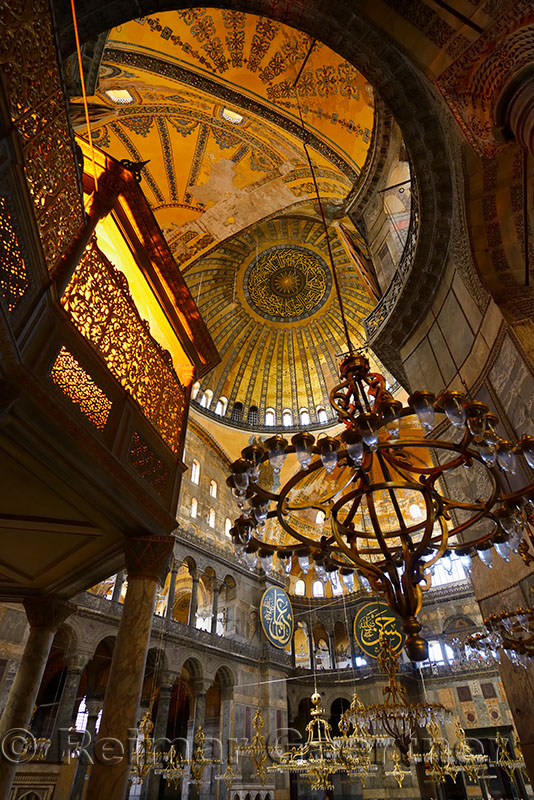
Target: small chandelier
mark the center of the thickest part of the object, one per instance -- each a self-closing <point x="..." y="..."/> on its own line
<point x="475" y="765"/>
<point x="505" y="761"/>
<point x="172" y="767"/>
<point x="143" y="757"/>
<point x="199" y="762"/>
<point x="257" y="749"/>
<point x="511" y="631"/>
<point x="396" y="718"/>
<point x="439" y="761"/>
<point x="319" y="758"/>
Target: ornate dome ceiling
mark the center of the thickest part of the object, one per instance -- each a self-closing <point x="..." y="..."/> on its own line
<point x="267" y="298"/>
<point x="206" y="95"/>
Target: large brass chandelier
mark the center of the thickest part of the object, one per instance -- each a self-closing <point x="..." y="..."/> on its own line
<point x="508" y="631"/>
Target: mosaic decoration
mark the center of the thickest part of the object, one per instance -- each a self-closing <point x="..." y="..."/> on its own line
<point x="286" y="283"/>
<point x="276" y="615"/>
<point x="373" y="621"/>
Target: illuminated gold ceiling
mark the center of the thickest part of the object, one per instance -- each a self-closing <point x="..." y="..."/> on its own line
<point x="267" y="298"/>
<point x="210" y="103"/>
<point x="207" y="97"/>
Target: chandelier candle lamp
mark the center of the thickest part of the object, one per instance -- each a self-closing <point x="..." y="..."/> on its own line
<point x="511" y="631"/>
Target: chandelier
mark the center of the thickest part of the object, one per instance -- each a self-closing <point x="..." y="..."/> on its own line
<point x="439" y="761"/>
<point x="257" y="749"/>
<point x="319" y="758"/>
<point x="383" y="487"/>
<point x="475" y="765"/>
<point x="511" y="631"/>
<point x="172" y="767"/>
<point x="396" y="718"/>
<point x="143" y="757"/>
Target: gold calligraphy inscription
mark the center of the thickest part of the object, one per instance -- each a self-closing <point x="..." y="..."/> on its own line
<point x="374" y="620"/>
<point x="287" y="283"/>
<point x="276" y="616"/>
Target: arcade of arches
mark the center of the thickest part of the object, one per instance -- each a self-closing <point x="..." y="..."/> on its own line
<point x="167" y="297"/>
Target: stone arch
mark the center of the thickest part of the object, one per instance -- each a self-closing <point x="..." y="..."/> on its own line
<point x="401" y="85"/>
<point x="226" y="674"/>
<point x="194" y="667"/>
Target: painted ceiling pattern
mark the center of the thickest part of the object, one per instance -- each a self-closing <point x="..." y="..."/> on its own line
<point x="277" y="356"/>
<point x="210" y="102"/>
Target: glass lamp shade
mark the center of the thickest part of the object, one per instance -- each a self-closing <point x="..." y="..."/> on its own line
<point x="466" y="562"/>
<point x="328" y="448"/>
<point x="367" y="427"/>
<point x="304" y="561"/>
<point x="503" y="549"/>
<point x="251" y="557"/>
<point x="240" y="474"/>
<point x="354" y="445"/>
<point x="348" y="579"/>
<point x="388" y="414"/>
<point x="266" y="561"/>
<point x="476" y="419"/>
<point x="491" y="437"/>
<point x="506" y="458"/>
<point x="276" y="448"/>
<point x="286" y="562"/>
<point x="260" y="508"/>
<point x="486" y="556"/>
<point x="303" y="443"/>
<point x="423" y="405"/>
<point x="253" y="454"/>
<point x="488" y="453"/>
<point x="526" y="445"/>
<point x="452" y="405"/>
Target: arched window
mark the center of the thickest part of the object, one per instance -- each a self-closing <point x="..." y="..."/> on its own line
<point x="82" y="715"/>
<point x="320" y="518"/>
<point x="318" y="589"/>
<point x="213" y="488"/>
<point x="207" y="397"/>
<point x="253" y="416"/>
<point x="195" y="471"/>
<point x="237" y="412"/>
<point x="270" y="417"/>
<point x="304" y="416"/>
<point x="211" y="518"/>
<point x="300" y="588"/>
<point x="321" y="415"/>
<point x="287" y="418"/>
<point x="227" y="526"/>
<point x="195" y="390"/>
<point x="222" y="405"/>
<point x="194" y="507"/>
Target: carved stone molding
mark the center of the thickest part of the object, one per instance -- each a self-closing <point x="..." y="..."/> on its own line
<point x="148" y="556"/>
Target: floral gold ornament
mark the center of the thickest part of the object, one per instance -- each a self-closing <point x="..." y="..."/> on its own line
<point x="143" y="757"/>
<point x="276" y="615"/>
<point x="257" y="749"/>
<point x="319" y="757"/>
<point x="398" y="773"/>
<point x="396" y="718"/>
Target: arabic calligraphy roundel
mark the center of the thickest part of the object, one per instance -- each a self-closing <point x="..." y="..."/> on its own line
<point x="370" y="621"/>
<point x="276" y="614"/>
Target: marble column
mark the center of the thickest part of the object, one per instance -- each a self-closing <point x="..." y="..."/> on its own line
<point x="160" y="732"/>
<point x="332" y="649"/>
<point x="94" y="706"/>
<point x="214" y="607"/>
<point x="67" y="707"/>
<point x="311" y="646"/>
<point x="117" y="586"/>
<point x="146" y="562"/>
<point x="172" y="592"/>
<point x="200" y="689"/>
<point x="227" y="695"/>
<point x="45" y="615"/>
<point x="193" y="602"/>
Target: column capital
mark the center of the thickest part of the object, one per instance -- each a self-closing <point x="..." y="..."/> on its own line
<point x="148" y="556"/>
<point x="168" y="679"/>
<point x="201" y="686"/>
<point x="47" y="612"/>
<point x="76" y="662"/>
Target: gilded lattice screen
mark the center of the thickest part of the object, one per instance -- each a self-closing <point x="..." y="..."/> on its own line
<point x="99" y="303"/>
<point x="77" y="384"/>
<point x="14" y="279"/>
<point x="31" y="74"/>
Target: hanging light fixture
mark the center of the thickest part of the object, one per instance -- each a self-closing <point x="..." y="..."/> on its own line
<point x="172" y="767"/>
<point x="505" y="760"/>
<point x="439" y="761"/>
<point x="199" y="762"/>
<point x="396" y="718"/>
<point x="398" y="773"/>
<point x="257" y="749"/>
<point x="475" y="765"/>
<point x="143" y="757"/>
<point x="319" y="758"/>
<point x="511" y="631"/>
